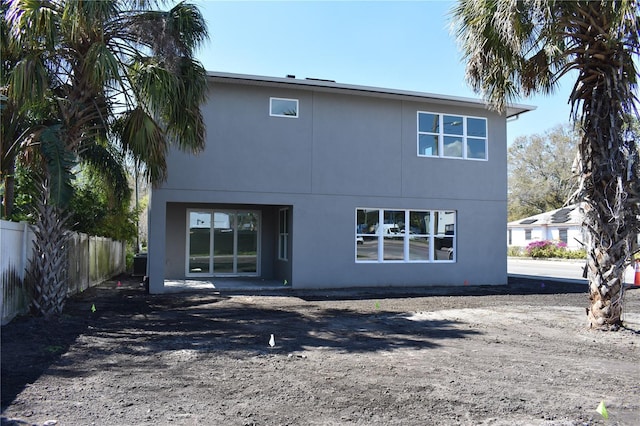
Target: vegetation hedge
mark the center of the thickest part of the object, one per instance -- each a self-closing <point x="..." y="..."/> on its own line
<point x="547" y="250"/>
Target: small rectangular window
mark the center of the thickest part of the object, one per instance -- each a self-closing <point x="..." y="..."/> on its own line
<point x="527" y="234"/>
<point x="562" y="235"/>
<point x="280" y="107"/>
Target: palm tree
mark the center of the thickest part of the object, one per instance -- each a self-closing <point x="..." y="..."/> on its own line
<point x="517" y="47"/>
<point x="115" y="72"/>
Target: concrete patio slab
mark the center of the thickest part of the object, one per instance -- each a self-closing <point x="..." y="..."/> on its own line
<point x="223" y="284"/>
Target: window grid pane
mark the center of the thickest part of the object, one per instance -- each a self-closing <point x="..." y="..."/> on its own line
<point x="405" y="235"/>
<point x="452" y="146"/>
<point x="452" y="136"/>
<point x="477" y="148"/>
<point x="453" y="125"/>
<point x="428" y="145"/>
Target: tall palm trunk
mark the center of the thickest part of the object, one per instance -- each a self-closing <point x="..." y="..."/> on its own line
<point x="609" y="181"/>
<point x="47" y="275"/>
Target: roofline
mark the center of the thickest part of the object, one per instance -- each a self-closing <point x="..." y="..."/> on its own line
<point x="331" y="86"/>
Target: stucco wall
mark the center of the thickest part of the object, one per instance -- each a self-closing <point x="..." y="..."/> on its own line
<point x="343" y="152"/>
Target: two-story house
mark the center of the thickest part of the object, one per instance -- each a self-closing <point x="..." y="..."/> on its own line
<point x="329" y="185"/>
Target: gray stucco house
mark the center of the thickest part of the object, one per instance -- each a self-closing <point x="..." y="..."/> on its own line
<point x="330" y="185"/>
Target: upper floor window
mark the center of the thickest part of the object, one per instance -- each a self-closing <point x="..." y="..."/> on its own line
<point x="452" y="136"/>
<point x="280" y="107"/>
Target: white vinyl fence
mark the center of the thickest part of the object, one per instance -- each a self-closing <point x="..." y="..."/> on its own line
<point x="92" y="260"/>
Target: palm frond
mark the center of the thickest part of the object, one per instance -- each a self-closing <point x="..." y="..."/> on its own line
<point x="187" y="23"/>
<point x="59" y="163"/>
<point x="28" y="81"/>
<point x="100" y="65"/>
<point x="512" y="48"/>
<point x="34" y="23"/>
<point x="143" y="138"/>
<point x="109" y="164"/>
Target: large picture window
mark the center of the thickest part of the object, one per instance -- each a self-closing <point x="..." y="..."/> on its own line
<point x="405" y="235"/>
<point x="452" y="136"/>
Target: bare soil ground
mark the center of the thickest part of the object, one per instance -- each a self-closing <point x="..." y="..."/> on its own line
<point x="519" y="354"/>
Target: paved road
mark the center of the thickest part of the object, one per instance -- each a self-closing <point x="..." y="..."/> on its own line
<point x="553" y="269"/>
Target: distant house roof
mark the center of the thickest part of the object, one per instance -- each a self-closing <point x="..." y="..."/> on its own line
<point x="332" y="86"/>
<point x="569" y="215"/>
<point x="528" y="221"/>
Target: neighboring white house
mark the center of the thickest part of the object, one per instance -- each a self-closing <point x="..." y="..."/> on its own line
<point x="563" y="224"/>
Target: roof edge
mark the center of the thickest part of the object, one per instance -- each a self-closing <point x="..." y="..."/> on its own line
<point x="329" y="85"/>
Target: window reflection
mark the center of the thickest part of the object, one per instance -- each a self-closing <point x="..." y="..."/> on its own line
<point x="405" y="235"/>
<point x="199" y="242"/>
<point x="453" y="125"/>
<point x="284" y="107"/>
<point x="428" y="145"/>
<point x="393" y="247"/>
<point x="452" y="146"/>
<point x="452" y="136"/>
<point x="367" y="249"/>
<point x="232" y="235"/>
<point x="429" y="123"/>
<point x="418" y="248"/>
<point x="476" y="148"/>
<point x="419" y="222"/>
<point x="477" y="127"/>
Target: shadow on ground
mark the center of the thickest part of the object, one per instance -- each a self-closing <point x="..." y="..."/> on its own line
<point x="132" y="324"/>
<point x="515" y="287"/>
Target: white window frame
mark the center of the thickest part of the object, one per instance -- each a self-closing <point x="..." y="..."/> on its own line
<point x="441" y="135"/>
<point x="283" y="235"/>
<point x="432" y="235"/>
<point x="272" y="114"/>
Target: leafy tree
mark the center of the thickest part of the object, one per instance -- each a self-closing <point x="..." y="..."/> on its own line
<point x="96" y="211"/>
<point x="539" y="171"/>
<point x="19" y="123"/>
<point x="116" y="72"/>
<point x="517" y="47"/>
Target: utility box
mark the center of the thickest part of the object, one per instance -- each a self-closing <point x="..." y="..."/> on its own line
<point x="140" y="265"/>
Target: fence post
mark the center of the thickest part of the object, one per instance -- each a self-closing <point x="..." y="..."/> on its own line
<point x="25" y="259"/>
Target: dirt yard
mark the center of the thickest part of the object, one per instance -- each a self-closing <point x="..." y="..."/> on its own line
<point x="520" y="354"/>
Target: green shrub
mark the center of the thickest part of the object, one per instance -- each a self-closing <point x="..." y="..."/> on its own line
<point x="575" y="254"/>
<point x="515" y="251"/>
<point x="549" y="249"/>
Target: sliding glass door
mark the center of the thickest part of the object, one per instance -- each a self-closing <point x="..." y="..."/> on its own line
<point x="223" y="243"/>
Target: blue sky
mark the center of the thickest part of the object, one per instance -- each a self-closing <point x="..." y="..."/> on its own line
<point x="397" y="45"/>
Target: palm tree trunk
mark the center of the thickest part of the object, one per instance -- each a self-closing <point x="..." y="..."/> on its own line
<point x="609" y="180"/>
<point x="47" y="273"/>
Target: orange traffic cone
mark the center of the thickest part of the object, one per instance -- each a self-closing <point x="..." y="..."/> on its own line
<point x="636" y="280"/>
